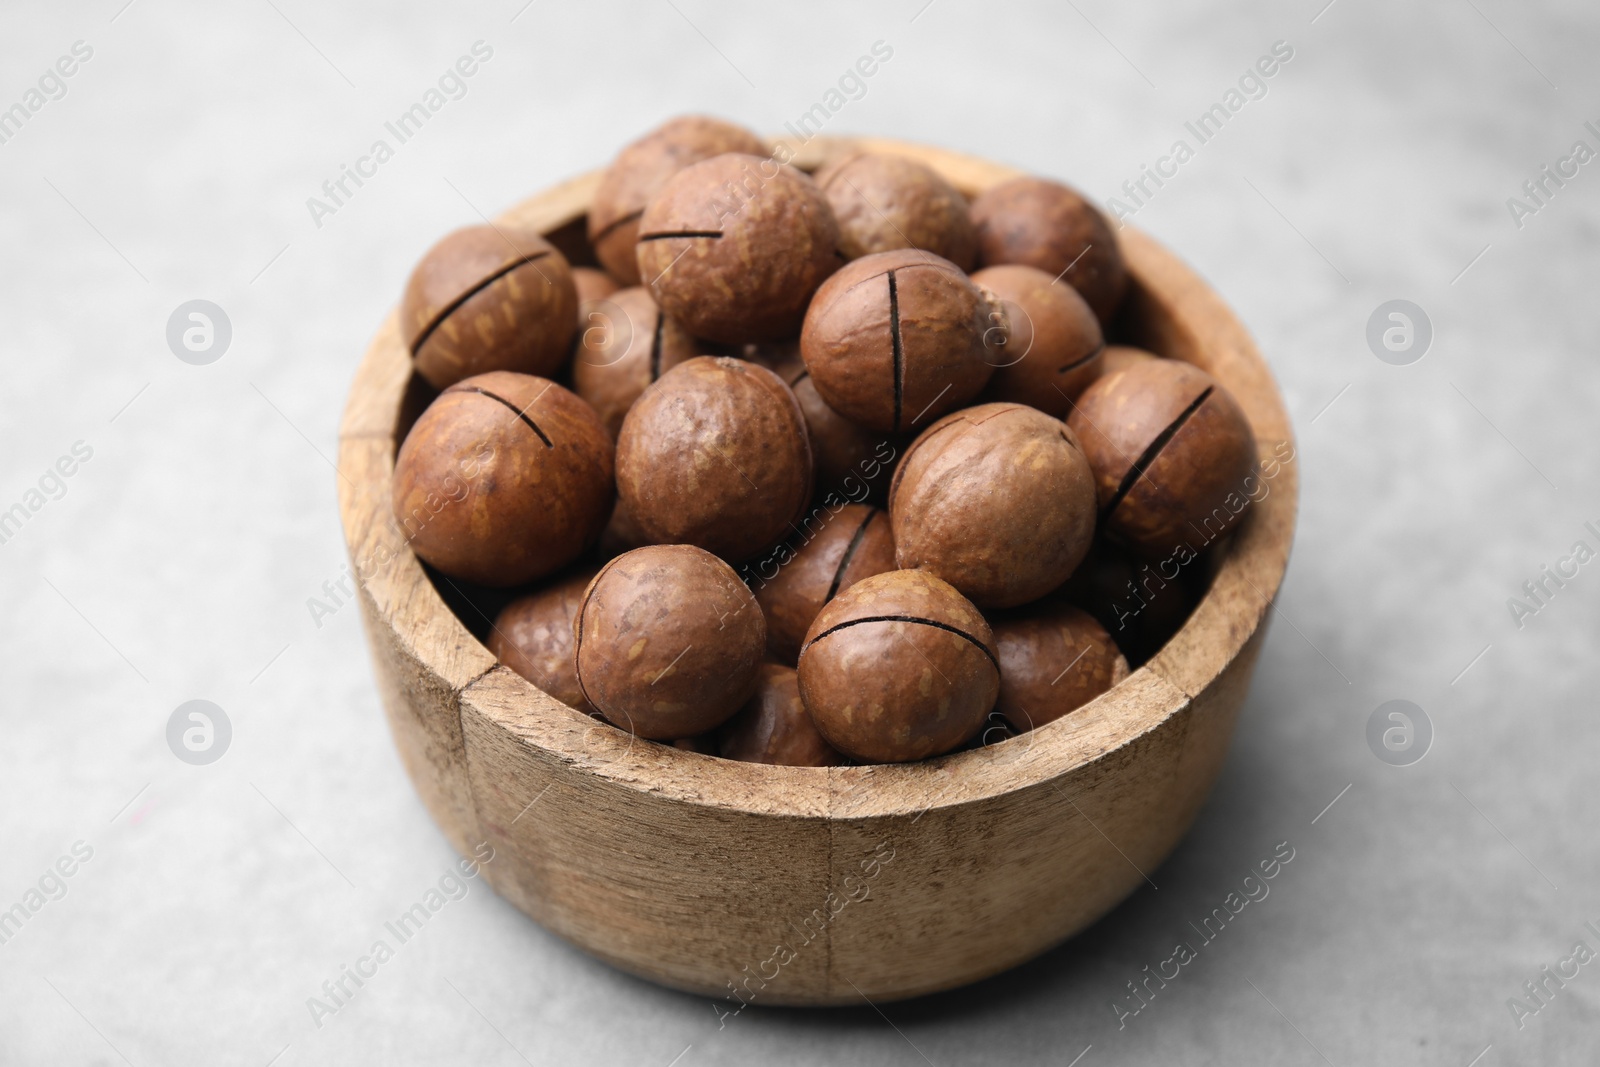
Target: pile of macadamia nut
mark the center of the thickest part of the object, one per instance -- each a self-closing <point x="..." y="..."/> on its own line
<point x="817" y="469"/>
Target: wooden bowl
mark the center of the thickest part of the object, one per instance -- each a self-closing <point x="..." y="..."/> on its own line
<point x="816" y="886"/>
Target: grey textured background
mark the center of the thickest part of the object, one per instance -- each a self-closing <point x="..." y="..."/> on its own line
<point x="178" y="563"/>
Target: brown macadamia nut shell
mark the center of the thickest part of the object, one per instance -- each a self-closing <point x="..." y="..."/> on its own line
<point x="886" y="202"/>
<point x="1053" y="341"/>
<point x="621" y="534"/>
<point x="1053" y="661"/>
<point x="704" y="744"/>
<point x="1140" y="604"/>
<point x="533" y="636"/>
<point x="488" y="298"/>
<point x="715" y="454"/>
<point x="1121" y="357"/>
<point x="639" y="172"/>
<point x="668" y="642"/>
<point x="998" y="500"/>
<point x="773" y="355"/>
<point x="898" y="667"/>
<point x="734" y="246"/>
<point x="591" y="285"/>
<point x="831" y="553"/>
<point x="896" y="339"/>
<point x="852" y="462"/>
<point x="503" y="479"/>
<point x="774" y="727"/>
<point x="1047" y="225"/>
<point x="1172" y="453"/>
<point x="626" y="345"/>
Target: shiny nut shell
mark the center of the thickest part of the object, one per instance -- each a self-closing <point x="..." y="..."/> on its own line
<point x="898" y="667"/>
<point x="715" y="454"/>
<point x="503" y="479"/>
<point x="488" y="298"/>
<point x="998" y="500"/>
<point x="668" y="642"/>
<point x="639" y="172"/>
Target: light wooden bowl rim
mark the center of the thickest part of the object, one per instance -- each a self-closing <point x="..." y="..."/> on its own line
<point x="1227" y="617"/>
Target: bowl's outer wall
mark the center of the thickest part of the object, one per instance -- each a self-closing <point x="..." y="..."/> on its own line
<point x="801" y="885"/>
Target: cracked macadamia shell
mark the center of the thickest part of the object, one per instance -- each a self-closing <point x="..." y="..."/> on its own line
<point x="503" y="479"/>
<point x="887" y="202"/>
<point x="998" y="500"/>
<point x="533" y="636"/>
<point x="774" y="727"/>
<point x="1053" y="343"/>
<point x="639" y="172"/>
<point x="898" y="667"/>
<point x="1050" y="226"/>
<point x="1052" y="661"/>
<point x="669" y="642"/>
<point x="896" y="339"/>
<point x="831" y="552"/>
<point x="715" y="454"/>
<point x="488" y="298"/>
<point x="626" y="345"/>
<point x="851" y="461"/>
<point x="733" y="247"/>
<point x="1173" y="456"/>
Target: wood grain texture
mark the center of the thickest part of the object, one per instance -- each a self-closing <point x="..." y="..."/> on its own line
<point x="819" y="886"/>
<point x="422" y="655"/>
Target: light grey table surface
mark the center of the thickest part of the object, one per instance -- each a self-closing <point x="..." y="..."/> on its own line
<point x="177" y="561"/>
